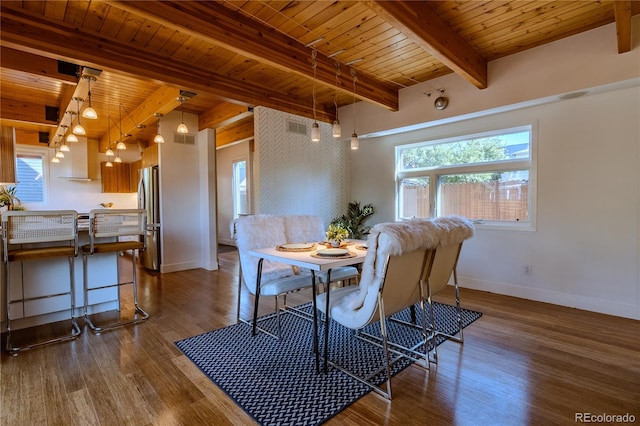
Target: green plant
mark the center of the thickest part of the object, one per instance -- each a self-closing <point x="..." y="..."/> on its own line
<point x="8" y="198"/>
<point x="354" y="220"/>
<point x="336" y="232"/>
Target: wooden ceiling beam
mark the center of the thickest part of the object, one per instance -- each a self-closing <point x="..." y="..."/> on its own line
<point x="622" y="12"/>
<point x="162" y="101"/>
<point x="34" y="64"/>
<point x="223" y="115"/>
<point x="239" y="131"/>
<point x="418" y="21"/>
<point x="53" y="38"/>
<point x="25" y="112"/>
<point x="222" y="26"/>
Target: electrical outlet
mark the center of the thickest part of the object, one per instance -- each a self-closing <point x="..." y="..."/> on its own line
<point x="527" y="270"/>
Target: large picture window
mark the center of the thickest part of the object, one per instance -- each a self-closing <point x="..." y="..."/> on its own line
<point x="484" y="177"/>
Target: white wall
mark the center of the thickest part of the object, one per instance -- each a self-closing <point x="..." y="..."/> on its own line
<point x="585" y="251"/>
<point x="293" y="175"/>
<point x="180" y="204"/>
<point x="62" y="194"/>
<point x="208" y="201"/>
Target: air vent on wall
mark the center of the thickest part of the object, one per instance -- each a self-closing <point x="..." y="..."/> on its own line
<point x="184" y="139"/>
<point x="297" y="128"/>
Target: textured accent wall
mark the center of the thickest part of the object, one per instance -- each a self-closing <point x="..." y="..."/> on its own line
<point x="296" y="176"/>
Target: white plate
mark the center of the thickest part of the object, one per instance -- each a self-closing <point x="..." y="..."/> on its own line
<point x="333" y="252"/>
<point x="297" y="246"/>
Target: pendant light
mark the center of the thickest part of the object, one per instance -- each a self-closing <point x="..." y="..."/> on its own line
<point x="78" y="129"/>
<point x="315" y="129"/>
<point x="117" y="159"/>
<point x="108" y="164"/>
<point x="109" y="151"/>
<point x="120" y="145"/>
<point x="354" y="137"/>
<point x="89" y="112"/>
<point x="158" y="138"/>
<point x="55" y="159"/>
<point x="336" y="129"/>
<point x="71" y="138"/>
<point x="182" y="128"/>
<point x="64" y="147"/>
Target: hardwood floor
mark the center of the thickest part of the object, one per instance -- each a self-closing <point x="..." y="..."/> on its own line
<point x="523" y="362"/>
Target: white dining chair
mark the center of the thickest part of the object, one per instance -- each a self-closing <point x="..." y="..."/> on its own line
<point x="399" y="263"/>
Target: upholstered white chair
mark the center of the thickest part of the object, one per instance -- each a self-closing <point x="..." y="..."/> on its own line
<point x="401" y="257"/>
<point x="261" y="231"/>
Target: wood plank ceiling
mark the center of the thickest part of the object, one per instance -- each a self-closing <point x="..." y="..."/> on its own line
<point x="239" y="54"/>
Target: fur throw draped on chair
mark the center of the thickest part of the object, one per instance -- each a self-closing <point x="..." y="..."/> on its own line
<point x="396" y="238"/>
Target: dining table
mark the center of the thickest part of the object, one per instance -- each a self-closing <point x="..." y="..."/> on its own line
<point x="316" y="257"/>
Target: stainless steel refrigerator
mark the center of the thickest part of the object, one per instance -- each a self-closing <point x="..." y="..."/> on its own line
<point x="149" y="199"/>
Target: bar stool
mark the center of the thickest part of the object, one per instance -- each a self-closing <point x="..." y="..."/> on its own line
<point x="118" y="224"/>
<point x="33" y="236"/>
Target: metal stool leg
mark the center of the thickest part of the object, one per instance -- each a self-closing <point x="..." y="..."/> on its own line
<point x="75" y="329"/>
<point x="139" y="314"/>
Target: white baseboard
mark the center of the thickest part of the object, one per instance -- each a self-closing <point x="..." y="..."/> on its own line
<point x="182" y="266"/>
<point x="609" y="307"/>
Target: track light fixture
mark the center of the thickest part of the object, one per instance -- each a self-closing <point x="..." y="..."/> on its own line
<point x="89" y="112"/>
<point x="78" y="129"/>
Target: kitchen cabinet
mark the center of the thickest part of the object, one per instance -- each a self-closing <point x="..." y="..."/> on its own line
<point x="116" y="178"/>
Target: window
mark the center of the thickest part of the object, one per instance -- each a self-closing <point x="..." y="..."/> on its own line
<point x="484" y="177"/>
<point x="239" y="183"/>
<point x="30" y="177"/>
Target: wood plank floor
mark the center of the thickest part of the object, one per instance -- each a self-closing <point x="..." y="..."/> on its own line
<point x="522" y="363"/>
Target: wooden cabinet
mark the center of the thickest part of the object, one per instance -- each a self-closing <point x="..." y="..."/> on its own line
<point x="117" y="178"/>
<point x="7" y="155"/>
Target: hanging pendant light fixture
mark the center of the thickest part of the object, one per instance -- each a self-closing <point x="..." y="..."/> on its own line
<point x="158" y="138"/>
<point x="89" y="112"/>
<point x="315" y="129"/>
<point x="78" y="129"/>
<point x="55" y="159"/>
<point x="336" y="129"/>
<point x="71" y="138"/>
<point x="354" y="137"/>
<point x="109" y="151"/>
<point x="64" y="147"/>
<point x="182" y="128"/>
<point x="117" y="159"/>
<point x="120" y="145"/>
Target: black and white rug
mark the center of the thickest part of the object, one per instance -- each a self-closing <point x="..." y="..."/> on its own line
<point x="275" y="381"/>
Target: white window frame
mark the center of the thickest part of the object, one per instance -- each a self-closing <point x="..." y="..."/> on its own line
<point x="434" y="173"/>
<point x="234" y="189"/>
<point x="45" y="154"/>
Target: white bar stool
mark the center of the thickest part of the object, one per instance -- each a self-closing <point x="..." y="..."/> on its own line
<point x="115" y="223"/>
<point x="32" y="236"/>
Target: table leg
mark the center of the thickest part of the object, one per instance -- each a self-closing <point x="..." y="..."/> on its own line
<point x="315" y="321"/>
<point x="257" y="296"/>
<point x="326" y="324"/>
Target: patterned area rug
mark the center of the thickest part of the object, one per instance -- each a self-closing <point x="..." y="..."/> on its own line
<point x="275" y="381"/>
